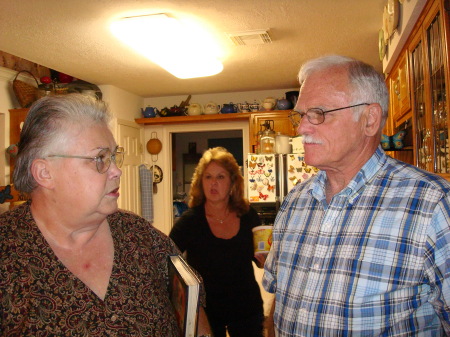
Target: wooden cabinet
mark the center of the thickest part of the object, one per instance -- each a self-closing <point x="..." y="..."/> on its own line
<point x="419" y="92"/>
<point x="429" y="78"/>
<point x="399" y="90"/>
<point x="400" y="112"/>
<point x="281" y="123"/>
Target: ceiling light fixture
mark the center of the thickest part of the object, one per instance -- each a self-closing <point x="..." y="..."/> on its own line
<point x="180" y="47"/>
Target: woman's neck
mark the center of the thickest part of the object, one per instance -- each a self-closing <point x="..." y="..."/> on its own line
<point x="217" y="208"/>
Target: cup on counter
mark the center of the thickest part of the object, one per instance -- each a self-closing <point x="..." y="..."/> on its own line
<point x="282" y="143"/>
<point x="262" y="239"/>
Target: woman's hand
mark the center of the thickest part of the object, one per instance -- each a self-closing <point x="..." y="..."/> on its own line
<point x="260" y="259"/>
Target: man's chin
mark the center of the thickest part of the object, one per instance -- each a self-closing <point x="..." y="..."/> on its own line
<point x="310" y="160"/>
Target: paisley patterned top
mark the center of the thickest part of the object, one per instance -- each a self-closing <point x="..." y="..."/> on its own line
<point x="40" y="297"/>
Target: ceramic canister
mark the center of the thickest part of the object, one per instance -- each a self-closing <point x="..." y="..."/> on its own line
<point x="211" y="108"/>
<point x="282" y="143"/>
<point x="194" y="109"/>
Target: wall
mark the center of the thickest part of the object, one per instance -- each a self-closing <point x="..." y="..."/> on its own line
<point x="409" y="13"/>
<point x="122" y="104"/>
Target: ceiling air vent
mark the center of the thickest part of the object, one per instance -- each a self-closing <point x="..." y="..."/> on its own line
<point x="250" y="37"/>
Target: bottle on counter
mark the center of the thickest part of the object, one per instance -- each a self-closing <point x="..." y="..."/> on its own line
<point x="267" y="141"/>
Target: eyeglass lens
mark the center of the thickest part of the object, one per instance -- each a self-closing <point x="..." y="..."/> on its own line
<point x="315" y="116"/>
<point x="105" y="156"/>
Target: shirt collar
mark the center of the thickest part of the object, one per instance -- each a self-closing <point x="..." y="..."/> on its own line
<point x="364" y="175"/>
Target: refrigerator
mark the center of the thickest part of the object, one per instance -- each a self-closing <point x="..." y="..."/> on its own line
<point x="271" y="177"/>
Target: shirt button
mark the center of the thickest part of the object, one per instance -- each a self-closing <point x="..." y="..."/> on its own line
<point x="316" y="266"/>
<point x="114" y="318"/>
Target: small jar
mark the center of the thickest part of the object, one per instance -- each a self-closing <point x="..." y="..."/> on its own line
<point x="45" y="90"/>
<point x="61" y="89"/>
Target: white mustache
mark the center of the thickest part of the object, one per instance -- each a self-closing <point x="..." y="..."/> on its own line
<point x="308" y="139"/>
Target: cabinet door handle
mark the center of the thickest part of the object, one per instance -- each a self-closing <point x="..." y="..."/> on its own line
<point x="396" y="87"/>
<point x="428" y="157"/>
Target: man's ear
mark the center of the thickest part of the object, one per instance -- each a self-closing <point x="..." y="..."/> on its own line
<point x="41" y="170"/>
<point x="374" y="116"/>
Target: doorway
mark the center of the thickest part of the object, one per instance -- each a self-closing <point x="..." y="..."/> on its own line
<point x="180" y="136"/>
<point x="188" y="148"/>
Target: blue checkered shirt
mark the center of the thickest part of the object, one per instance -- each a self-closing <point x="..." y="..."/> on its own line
<point x="375" y="261"/>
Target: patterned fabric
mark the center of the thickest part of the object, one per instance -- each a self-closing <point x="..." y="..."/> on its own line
<point x="375" y="261"/>
<point x="146" y="180"/>
<point x="39" y="296"/>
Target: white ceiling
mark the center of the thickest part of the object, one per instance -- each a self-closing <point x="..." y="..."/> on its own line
<point x="73" y="37"/>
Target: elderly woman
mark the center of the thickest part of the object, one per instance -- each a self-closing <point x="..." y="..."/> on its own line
<point x="71" y="262"/>
<point x="216" y="234"/>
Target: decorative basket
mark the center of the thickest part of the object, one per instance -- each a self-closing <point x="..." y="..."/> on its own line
<point x="25" y="93"/>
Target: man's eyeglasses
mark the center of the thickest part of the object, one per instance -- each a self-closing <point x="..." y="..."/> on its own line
<point x="315" y="116"/>
<point x="103" y="159"/>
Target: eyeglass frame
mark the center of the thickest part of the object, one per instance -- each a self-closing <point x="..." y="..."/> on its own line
<point x="303" y="114"/>
<point x="98" y="159"/>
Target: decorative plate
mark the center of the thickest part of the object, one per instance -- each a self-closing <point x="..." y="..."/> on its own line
<point x="381" y="45"/>
<point x="157" y="174"/>
<point x="385" y="24"/>
<point x="393" y="15"/>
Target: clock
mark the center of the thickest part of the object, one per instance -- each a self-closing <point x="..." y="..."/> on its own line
<point x="393" y="12"/>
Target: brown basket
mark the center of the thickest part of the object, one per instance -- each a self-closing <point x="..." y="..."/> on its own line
<point x="26" y="94"/>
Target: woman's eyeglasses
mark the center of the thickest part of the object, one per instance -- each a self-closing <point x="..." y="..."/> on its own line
<point x="103" y="159"/>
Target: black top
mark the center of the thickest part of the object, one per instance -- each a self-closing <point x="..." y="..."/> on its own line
<point x="225" y="264"/>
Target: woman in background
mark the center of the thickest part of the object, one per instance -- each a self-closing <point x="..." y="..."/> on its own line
<point x="216" y="234"/>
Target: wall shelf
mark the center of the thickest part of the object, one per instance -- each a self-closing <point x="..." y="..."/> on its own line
<point x="194" y="119"/>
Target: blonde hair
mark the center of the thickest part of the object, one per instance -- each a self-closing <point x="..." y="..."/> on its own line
<point x="226" y="160"/>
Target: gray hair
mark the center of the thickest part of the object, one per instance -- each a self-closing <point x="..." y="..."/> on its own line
<point x="45" y="130"/>
<point x="368" y="85"/>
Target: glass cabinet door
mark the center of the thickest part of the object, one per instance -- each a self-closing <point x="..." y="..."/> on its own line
<point x="423" y="134"/>
<point x="429" y="91"/>
<point x="438" y="97"/>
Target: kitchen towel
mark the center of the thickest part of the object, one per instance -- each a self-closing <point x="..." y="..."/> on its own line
<point x="146" y="179"/>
